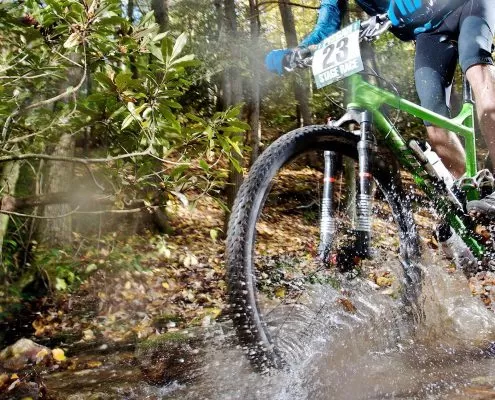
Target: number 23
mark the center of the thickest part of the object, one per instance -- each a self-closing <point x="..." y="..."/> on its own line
<point x="340" y="56"/>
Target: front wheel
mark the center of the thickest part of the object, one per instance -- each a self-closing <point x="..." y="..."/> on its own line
<point x="272" y="242"/>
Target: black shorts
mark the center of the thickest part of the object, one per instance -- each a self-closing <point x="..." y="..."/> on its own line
<point x="465" y="36"/>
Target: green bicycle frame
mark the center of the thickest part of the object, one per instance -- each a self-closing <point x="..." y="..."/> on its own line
<point x="363" y="95"/>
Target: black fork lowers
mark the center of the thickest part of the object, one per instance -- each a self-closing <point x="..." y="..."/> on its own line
<point x="327" y="220"/>
<point x="364" y="191"/>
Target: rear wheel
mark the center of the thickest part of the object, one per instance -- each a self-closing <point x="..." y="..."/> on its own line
<point x="273" y="238"/>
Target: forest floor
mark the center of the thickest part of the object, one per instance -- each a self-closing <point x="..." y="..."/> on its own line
<point x="150" y="284"/>
<point x="146" y="285"/>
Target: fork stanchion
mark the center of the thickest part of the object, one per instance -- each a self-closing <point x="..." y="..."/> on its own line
<point x="327" y="220"/>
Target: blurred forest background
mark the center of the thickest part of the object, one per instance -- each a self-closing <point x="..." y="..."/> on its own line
<point x="113" y="111"/>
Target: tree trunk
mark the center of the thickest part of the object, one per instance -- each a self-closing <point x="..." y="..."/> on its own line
<point x="130" y="10"/>
<point x="233" y="92"/>
<point x="160" y="9"/>
<point x="132" y="57"/>
<point x="8" y="181"/>
<point x="58" y="231"/>
<point x="301" y="90"/>
<point x="223" y="94"/>
<point x="254" y="101"/>
<point x="233" y="73"/>
<point x="220" y="18"/>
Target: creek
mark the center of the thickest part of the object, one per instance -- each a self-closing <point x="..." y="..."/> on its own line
<point x="372" y="353"/>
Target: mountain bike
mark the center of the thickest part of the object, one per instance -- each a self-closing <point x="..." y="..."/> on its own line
<point x="265" y="290"/>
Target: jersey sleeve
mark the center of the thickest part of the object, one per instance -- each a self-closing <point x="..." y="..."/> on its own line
<point x="328" y="23"/>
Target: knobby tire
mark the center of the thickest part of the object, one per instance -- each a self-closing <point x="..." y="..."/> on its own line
<point x="248" y="321"/>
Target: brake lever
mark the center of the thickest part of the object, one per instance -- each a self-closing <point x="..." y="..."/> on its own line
<point x="374" y="27"/>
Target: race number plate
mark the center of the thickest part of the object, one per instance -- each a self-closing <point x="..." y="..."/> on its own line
<point x="338" y="56"/>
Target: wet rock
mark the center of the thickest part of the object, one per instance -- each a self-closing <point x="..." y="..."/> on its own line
<point x="23" y="354"/>
<point x="23" y="390"/>
<point x="171" y="357"/>
<point x="484" y="380"/>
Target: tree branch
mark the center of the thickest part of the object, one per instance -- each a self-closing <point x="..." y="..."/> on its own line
<point x="68" y="92"/>
<point x="38" y="216"/>
<point x="76" y="211"/>
<point x="10" y="203"/>
<point x="262" y="3"/>
<point x="77" y="160"/>
<point x="7" y="123"/>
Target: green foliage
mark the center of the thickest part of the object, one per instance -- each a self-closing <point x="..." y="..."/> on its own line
<point x="63" y="271"/>
<point x="124" y="95"/>
<point x="59" y="270"/>
<point x="80" y="67"/>
<point x="10" y="248"/>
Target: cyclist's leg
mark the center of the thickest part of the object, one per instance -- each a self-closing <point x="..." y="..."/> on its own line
<point x="482" y="79"/>
<point x="475" y="46"/>
<point x="435" y="62"/>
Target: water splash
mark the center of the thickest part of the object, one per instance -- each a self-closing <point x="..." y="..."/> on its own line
<point x="451" y="314"/>
<point x="376" y="352"/>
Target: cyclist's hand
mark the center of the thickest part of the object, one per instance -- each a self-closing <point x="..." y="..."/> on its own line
<point x="274" y="60"/>
<point x="401" y="12"/>
<point x="280" y="61"/>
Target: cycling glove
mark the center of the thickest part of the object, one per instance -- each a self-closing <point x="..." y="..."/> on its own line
<point x="274" y="60"/>
<point x="402" y="12"/>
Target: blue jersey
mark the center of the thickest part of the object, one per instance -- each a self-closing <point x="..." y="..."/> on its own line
<point x="430" y="14"/>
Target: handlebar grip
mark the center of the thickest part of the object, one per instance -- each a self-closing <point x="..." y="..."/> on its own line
<point x="296" y="58"/>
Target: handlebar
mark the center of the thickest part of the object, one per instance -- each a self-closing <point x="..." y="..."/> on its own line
<point x="302" y="57"/>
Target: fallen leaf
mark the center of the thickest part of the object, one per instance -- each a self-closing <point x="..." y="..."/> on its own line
<point x="347" y="304"/>
<point x="58" y="355"/>
<point x="280" y="292"/>
<point x="14" y="384"/>
<point x="88" y="335"/>
<point x="40" y="356"/>
<point x="93" y="364"/>
<point x="190" y="261"/>
<point x="214" y="234"/>
<point x="384" y="281"/>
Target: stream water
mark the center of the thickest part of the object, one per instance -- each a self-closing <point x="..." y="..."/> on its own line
<point x="373" y="353"/>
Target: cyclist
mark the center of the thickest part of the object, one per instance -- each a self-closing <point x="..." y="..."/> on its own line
<point x="446" y="32"/>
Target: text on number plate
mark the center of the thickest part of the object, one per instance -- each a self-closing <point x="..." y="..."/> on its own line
<point x="338" y="56"/>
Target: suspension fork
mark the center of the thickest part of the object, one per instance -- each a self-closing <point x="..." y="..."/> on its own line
<point x="365" y="148"/>
<point x="361" y="247"/>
